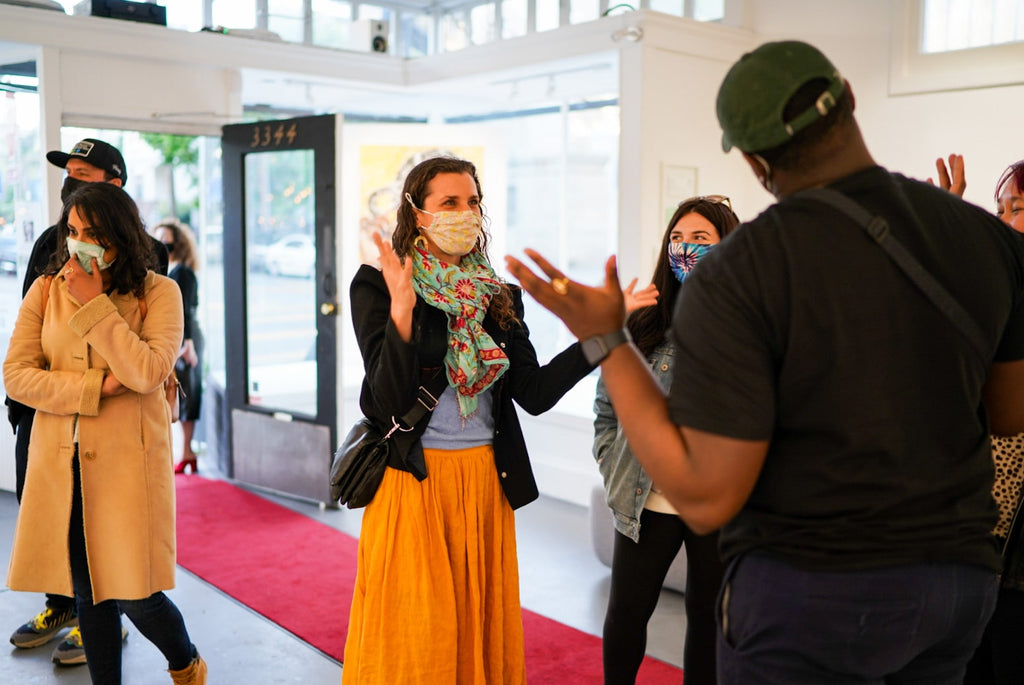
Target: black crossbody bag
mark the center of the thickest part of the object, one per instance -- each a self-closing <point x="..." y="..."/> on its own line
<point x="362" y="458"/>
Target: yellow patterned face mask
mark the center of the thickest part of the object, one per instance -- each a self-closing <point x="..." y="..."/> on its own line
<point x="454" y="233"/>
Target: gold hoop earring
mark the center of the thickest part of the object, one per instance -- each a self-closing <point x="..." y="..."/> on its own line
<point x="420" y="242"/>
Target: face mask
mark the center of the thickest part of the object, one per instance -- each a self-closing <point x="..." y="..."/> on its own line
<point x="682" y="257"/>
<point x="70" y="186"/>
<point x="85" y="252"/>
<point x="454" y="233"/>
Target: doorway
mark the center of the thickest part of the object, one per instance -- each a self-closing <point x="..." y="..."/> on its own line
<point x="280" y="295"/>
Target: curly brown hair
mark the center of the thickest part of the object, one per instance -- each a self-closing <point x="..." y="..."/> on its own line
<point x="114" y="221"/>
<point x="417" y="186"/>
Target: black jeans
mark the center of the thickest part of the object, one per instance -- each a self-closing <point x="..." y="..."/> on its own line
<point x="638" y="571"/>
<point x="156" y="617"/>
<point x="999" y="659"/>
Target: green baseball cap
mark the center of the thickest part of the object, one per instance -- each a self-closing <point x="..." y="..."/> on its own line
<point x="756" y="90"/>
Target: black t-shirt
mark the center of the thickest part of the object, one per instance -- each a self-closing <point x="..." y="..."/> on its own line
<point x="799" y="329"/>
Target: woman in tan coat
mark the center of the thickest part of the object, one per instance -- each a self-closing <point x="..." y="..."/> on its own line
<point x="95" y="338"/>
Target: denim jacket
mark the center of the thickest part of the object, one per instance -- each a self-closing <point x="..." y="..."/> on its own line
<point x="625" y="482"/>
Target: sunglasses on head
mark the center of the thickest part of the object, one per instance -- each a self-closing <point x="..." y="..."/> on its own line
<point x="716" y="199"/>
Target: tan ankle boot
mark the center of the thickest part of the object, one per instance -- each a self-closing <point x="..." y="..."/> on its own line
<point x="193" y="674"/>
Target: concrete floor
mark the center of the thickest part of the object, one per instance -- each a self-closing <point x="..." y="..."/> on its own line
<point x="559" y="578"/>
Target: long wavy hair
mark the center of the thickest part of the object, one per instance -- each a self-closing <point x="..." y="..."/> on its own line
<point x="648" y="325"/>
<point x="184" y="242"/>
<point x="114" y="221"/>
<point x="417" y="185"/>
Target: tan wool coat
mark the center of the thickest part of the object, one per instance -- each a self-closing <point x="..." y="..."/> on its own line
<point x="56" y="364"/>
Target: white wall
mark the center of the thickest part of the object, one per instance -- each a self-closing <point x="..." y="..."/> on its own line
<point x="905" y="133"/>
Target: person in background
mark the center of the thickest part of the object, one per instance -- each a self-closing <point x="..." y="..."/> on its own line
<point x="184" y="263"/>
<point x="824" y="413"/>
<point x="93" y="342"/>
<point x="436" y="596"/>
<point x="999" y="659"/>
<point x="648" y="531"/>
<point x="90" y="161"/>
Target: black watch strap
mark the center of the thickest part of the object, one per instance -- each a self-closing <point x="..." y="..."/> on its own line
<point x="598" y="347"/>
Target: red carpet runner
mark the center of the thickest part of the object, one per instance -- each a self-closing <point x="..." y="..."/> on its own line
<point x="299" y="573"/>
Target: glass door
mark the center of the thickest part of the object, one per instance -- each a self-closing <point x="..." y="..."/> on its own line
<point x="281" y="302"/>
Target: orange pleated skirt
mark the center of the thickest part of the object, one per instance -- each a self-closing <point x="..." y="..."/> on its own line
<point x="436" y="600"/>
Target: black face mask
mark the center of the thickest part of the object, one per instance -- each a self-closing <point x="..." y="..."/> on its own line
<point x="69" y="187"/>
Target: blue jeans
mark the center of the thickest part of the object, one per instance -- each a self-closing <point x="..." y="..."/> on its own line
<point x="156" y="617"/>
<point x="916" y="623"/>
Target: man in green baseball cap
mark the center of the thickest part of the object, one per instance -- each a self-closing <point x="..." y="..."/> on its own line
<point x="824" y="413"/>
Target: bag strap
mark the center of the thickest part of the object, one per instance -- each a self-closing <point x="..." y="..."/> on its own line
<point x="426" y="400"/>
<point x="46" y="292"/>
<point x="878" y="228"/>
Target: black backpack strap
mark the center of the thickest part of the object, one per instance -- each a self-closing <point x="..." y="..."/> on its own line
<point x="878" y="229"/>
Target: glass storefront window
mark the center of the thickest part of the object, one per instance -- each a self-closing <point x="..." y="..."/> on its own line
<point x="286" y="19"/>
<point x="548" y="15"/>
<point x="583" y="10"/>
<point x="454" y="31"/>
<point x="513" y="18"/>
<point x="708" y="10"/>
<point x="673" y="7"/>
<point x="481" y="21"/>
<point x="414" y="31"/>
<point x="234" y="14"/>
<point x="332" y="20"/>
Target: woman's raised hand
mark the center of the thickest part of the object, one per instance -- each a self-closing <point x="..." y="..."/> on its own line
<point x="645" y="297"/>
<point x="951" y="179"/>
<point x="81" y="285"/>
<point x="398" y="277"/>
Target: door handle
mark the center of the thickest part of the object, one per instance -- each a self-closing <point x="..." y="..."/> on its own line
<point x="328" y="309"/>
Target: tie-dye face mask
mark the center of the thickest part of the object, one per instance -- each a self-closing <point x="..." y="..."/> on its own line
<point x="682" y="257"/>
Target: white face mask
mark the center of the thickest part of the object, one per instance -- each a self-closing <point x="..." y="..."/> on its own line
<point x="454" y="233"/>
<point x="85" y="252"/>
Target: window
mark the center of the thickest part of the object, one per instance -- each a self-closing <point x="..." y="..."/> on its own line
<point x="332" y="20"/>
<point x="958" y="24"/>
<point x="286" y="19"/>
<point x="548" y="15"/>
<point x="583" y="10"/>
<point x="513" y="18"/>
<point x="481" y="21"/>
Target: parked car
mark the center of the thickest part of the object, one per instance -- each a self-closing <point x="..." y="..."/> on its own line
<point x="293" y="255"/>
<point x="8" y="255"/>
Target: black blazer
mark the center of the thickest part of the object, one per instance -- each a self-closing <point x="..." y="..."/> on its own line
<point x="395" y="369"/>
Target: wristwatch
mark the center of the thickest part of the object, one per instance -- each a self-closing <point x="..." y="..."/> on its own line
<point x="595" y="349"/>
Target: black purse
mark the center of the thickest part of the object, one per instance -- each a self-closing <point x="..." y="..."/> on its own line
<point x="360" y="461"/>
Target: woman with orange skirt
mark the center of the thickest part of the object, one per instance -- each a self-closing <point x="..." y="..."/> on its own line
<point x="437" y="588"/>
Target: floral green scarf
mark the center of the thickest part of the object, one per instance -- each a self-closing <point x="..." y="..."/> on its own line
<point x="463" y="292"/>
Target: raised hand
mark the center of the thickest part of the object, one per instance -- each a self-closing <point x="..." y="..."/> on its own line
<point x="951" y="179"/>
<point x="82" y="286"/>
<point x="645" y="297"/>
<point x="398" y="277"/>
<point x="587" y="311"/>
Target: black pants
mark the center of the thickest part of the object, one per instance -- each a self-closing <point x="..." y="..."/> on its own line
<point x="638" y="571"/>
<point x="156" y="617"/>
<point x="999" y="659"/>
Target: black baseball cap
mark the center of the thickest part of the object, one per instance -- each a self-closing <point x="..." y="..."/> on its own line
<point x="96" y="152"/>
